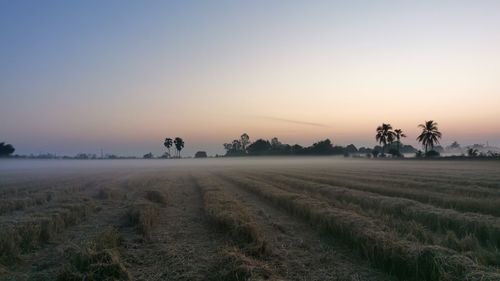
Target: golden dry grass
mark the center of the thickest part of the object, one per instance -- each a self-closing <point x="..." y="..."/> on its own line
<point x="363" y="220"/>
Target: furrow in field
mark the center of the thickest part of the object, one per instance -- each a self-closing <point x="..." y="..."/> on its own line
<point x="25" y="233"/>
<point x="487" y="180"/>
<point x="304" y="254"/>
<point x="406" y="229"/>
<point x="91" y="250"/>
<point x="51" y="183"/>
<point x="228" y="215"/>
<point x="485" y="227"/>
<point x="484" y="177"/>
<point x="181" y="246"/>
<point x="405" y="259"/>
<point x="488" y="206"/>
<point x="432" y="185"/>
<point x="45" y="262"/>
<point x="33" y="241"/>
<point x="51" y="194"/>
<point x="474" y="234"/>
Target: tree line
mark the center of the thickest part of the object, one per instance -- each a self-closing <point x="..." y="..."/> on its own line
<point x="243" y="146"/>
<point x="390" y="141"/>
<point x="429" y="137"/>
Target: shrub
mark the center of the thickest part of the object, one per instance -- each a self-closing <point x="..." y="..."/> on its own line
<point x="432" y="153"/>
<point x="144" y="216"/>
<point x="200" y="154"/>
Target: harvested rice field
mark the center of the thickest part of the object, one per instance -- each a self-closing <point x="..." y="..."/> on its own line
<point x="285" y="218"/>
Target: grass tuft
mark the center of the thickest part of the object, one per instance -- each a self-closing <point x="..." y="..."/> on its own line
<point x="156" y="196"/>
<point x="233" y="265"/>
<point x="144" y="216"/>
<point x="98" y="259"/>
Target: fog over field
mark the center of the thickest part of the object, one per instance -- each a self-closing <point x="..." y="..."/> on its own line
<point x="282" y="218"/>
<point x="249" y="140"/>
<point x="54" y="166"/>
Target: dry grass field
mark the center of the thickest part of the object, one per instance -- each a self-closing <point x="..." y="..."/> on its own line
<point x="250" y="219"/>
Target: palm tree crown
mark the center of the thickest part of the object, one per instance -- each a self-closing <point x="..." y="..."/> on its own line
<point x="385" y="135"/>
<point x="179" y="145"/>
<point x="399" y="135"/>
<point x="168" y="143"/>
<point x="430" y="134"/>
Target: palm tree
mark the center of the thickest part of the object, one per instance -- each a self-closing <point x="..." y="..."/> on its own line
<point x="399" y="135"/>
<point x="384" y="135"/>
<point x="179" y="145"/>
<point x="168" y="143"/>
<point x="430" y="135"/>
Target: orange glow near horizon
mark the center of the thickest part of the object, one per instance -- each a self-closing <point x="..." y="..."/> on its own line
<point x="211" y="76"/>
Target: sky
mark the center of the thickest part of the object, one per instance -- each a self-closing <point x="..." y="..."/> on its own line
<point x="78" y="76"/>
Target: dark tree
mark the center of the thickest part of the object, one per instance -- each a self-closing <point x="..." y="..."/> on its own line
<point x="148" y="156"/>
<point x="430" y="135"/>
<point x="179" y="145"/>
<point x="259" y="147"/>
<point x="200" y="154"/>
<point x="351" y="149"/>
<point x="6" y="149"/>
<point x="324" y="147"/>
<point x="472" y="152"/>
<point x="385" y="135"/>
<point x="399" y="135"/>
<point x="245" y="141"/>
<point x="235" y="148"/>
<point x="454" y="145"/>
<point x="168" y="144"/>
<point x="277" y="148"/>
<point x="296" y="149"/>
<point x="275" y="143"/>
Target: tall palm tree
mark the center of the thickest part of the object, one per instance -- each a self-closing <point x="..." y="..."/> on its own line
<point x="168" y="143"/>
<point x="384" y="135"/>
<point x="399" y="135"/>
<point x="179" y="145"/>
<point x="430" y="135"/>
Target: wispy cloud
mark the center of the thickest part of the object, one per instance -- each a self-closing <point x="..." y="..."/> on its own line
<point x="293" y="121"/>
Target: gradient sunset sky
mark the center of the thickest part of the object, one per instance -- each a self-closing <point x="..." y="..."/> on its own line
<point x="77" y="76"/>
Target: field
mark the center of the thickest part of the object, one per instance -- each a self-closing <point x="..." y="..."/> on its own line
<point x="250" y="219"/>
